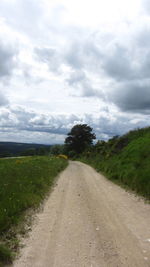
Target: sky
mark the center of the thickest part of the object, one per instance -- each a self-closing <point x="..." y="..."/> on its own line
<point x="69" y="62"/>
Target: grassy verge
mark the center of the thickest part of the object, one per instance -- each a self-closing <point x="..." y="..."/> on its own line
<point x="125" y="160"/>
<point x="24" y="182"/>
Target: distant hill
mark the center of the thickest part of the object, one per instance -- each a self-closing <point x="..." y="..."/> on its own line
<point x="16" y="149"/>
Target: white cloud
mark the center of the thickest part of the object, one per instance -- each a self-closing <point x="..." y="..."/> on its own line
<point x="89" y="59"/>
<point x="23" y="124"/>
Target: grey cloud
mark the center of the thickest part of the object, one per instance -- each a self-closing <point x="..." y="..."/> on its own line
<point x="117" y="64"/>
<point x="142" y="38"/>
<point x="24" y="120"/>
<point x="76" y="77"/>
<point x="82" y="85"/>
<point x="129" y="61"/>
<point x="7" y="59"/>
<point x="21" y="121"/>
<point x="145" y="66"/>
<point x="132" y="96"/>
<point x="75" y="55"/>
<point x="126" y="66"/>
<point x="105" y="128"/>
<point x="49" y="56"/>
<point x="99" y="49"/>
<point x="126" y="61"/>
<point x="30" y="137"/>
<point x="84" y="54"/>
<point x="3" y="100"/>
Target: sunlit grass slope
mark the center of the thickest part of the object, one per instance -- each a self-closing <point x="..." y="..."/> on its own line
<point x="126" y="160"/>
<point x="23" y="184"/>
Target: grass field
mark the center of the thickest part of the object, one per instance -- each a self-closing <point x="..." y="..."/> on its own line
<point x="24" y="182"/>
<point x="125" y="160"/>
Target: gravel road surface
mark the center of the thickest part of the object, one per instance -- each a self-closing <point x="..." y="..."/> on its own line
<point x="88" y="222"/>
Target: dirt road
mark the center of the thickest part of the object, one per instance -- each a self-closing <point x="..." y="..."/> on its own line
<point x="88" y="222"/>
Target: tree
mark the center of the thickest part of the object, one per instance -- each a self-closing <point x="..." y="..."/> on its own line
<point x="29" y="152"/>
<point x="79" y="138"/>
<point x="42" y="151"/>
<point x="57" y="149"/>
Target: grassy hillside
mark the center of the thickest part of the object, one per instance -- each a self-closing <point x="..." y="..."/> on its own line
<point x="125" y="160"/>
<point x="23" y="184"/>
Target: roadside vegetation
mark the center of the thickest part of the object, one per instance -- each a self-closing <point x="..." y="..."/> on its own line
<point x="24" y="182"/>
<point x="125" y="160"/>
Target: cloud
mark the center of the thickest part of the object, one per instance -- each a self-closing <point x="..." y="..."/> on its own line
<point x="133" y="96"/>
<point x="117" y="64"/>
<point x="32" y="125"/>
<point x="83" y="53"/>
<point x="25" y="120"/>
<point x="146" y="6"/>
<point x="7" y="59"/>
<point x="75" y="55"/>
<point x="3" y="100"/>
<point x="121" y="67"/>
<point x="82" y="85"/>
<point x="20" y="15"/>
<point x="49" y="56"/>
<point x="60" y="60"/>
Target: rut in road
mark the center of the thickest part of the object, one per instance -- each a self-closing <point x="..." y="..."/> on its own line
<point x="88" y="222"/>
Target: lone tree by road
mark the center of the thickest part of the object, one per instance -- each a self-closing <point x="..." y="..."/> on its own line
<point x="79" y="138"/>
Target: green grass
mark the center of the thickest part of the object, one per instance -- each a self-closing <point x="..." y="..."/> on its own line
<point x="5" y="255"/>
<point x="125" y="160"/>
<point x="24" y="183"/>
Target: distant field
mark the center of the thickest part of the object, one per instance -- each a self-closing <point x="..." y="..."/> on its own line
<point x="23" y="184"/>
<point x="12" y="149"/>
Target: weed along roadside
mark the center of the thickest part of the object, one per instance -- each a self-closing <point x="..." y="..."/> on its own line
<point x="24" y="183"/>
<point x="124" y="160"/>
